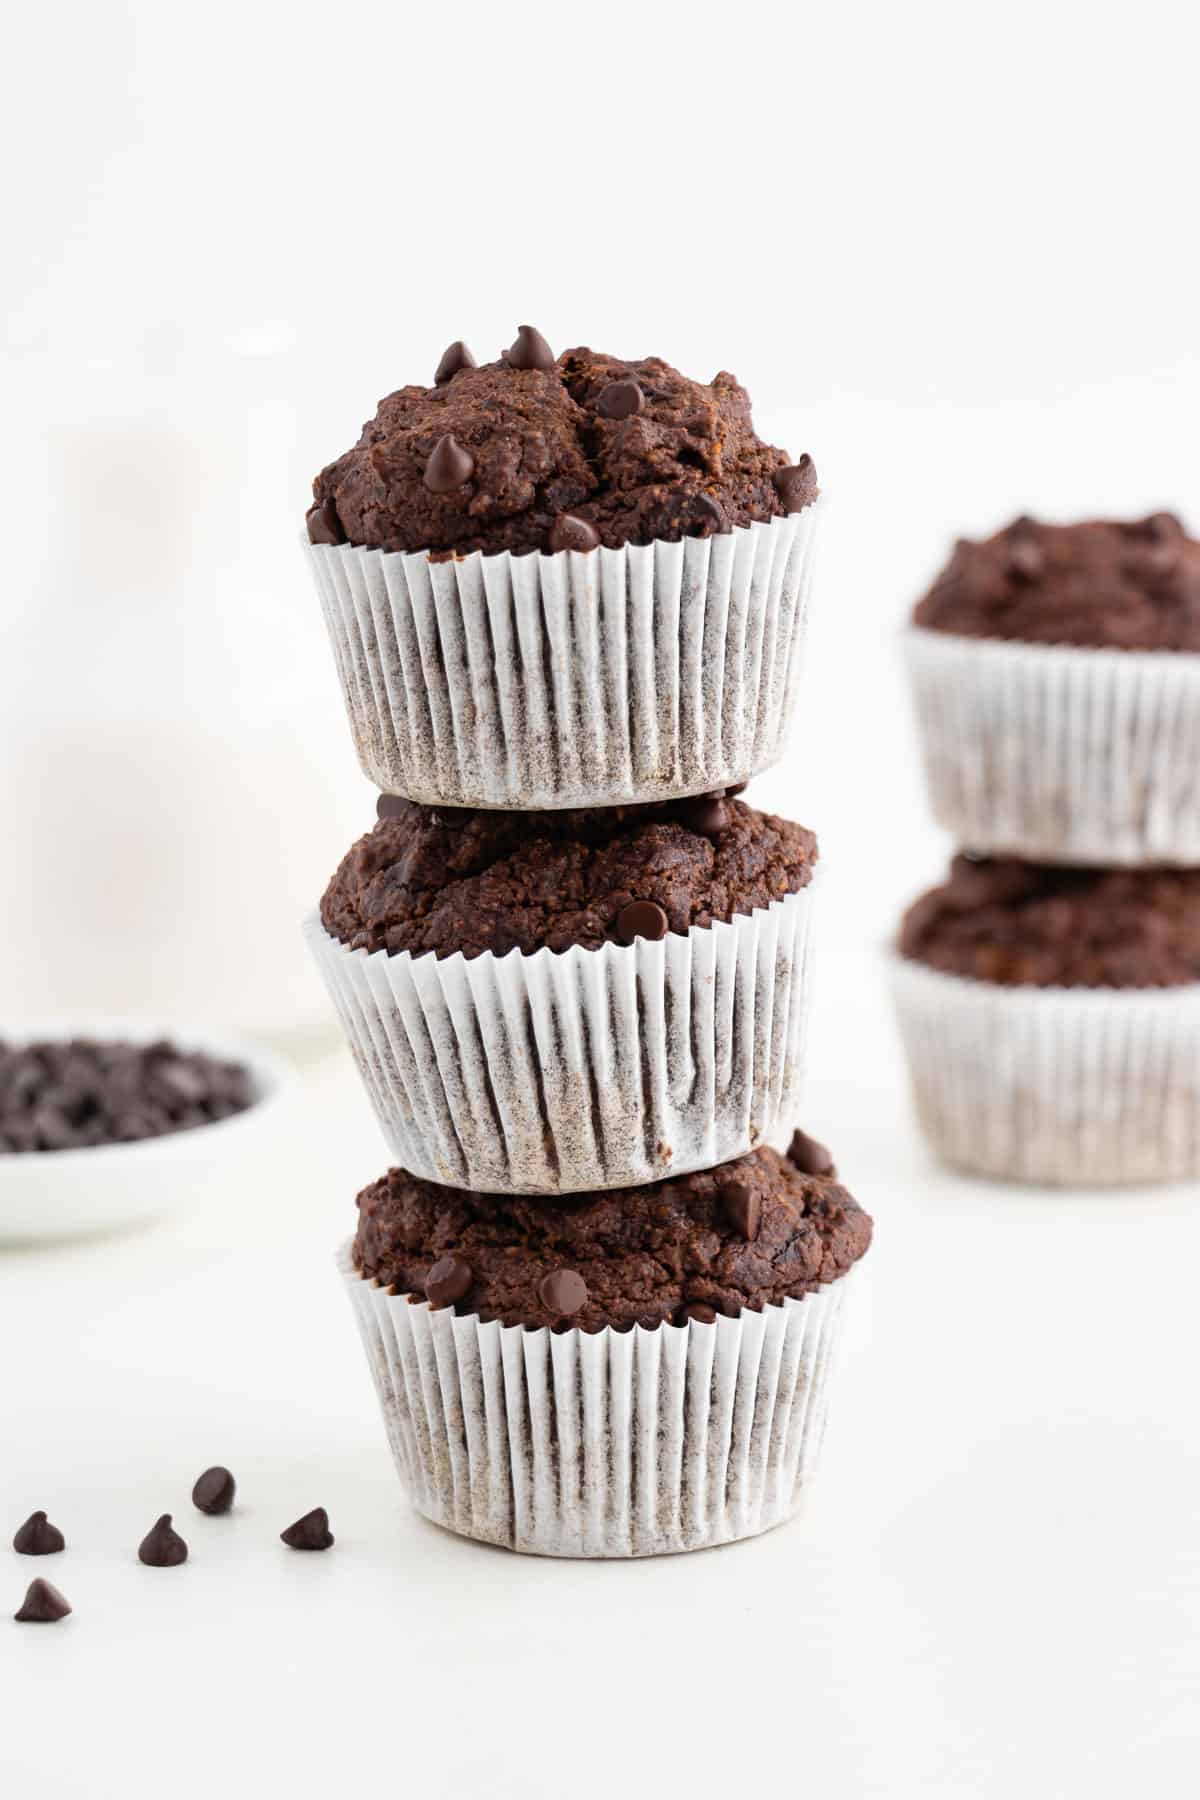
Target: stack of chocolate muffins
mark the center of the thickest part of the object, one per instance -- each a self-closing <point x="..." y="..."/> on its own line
<point x="1049" y="991"/>
<point x="567" y="598"/>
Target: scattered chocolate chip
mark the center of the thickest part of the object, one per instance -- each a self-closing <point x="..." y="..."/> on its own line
<point x="810" y="1157"/>
<point x="706" y="814"/>
<point x="1164" y="534"/>
<point x="37" y="1537"/>
<point x="699" y="1312"/>
<point x="711" y="509"/>
<point x="797" y="486"/>
<point x="42" y="1605"/>
<point x="562" y="1292"/>
<point x="449" y="466"/>
<point x="309" y="1533"/>
<point x="569" y="532"/>
<point x="390" y="806"/>
<point x="529" y="351"/>
<point x="455" y="357"/>
<point x="324" y="526"/>
<point x="162" y="1548"/>
<point x="78" y="1093"/>
<point x="1025" y="559"/>
<point x="214" y="1491"/>
<point x="642" y="919"/>
<point x="1160" y="526"/>
<point x="621" y="399"/>
<point x="448" y="1280"/>
<point x="743" y="1208"/>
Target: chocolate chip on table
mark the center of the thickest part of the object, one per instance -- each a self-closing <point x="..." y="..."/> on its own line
<point x="37" y="1537"/>
<point x="706" y="814"/>
<point x="797" y="486"/>
<point x="449" y="466"/>
<point x="620" y="400"/>
<point x="77" y="1093"/>
<point x="162" y="1548"/>
<point x="214" y="1491"/>
<point x="455" y="356"/>
<point x="309" y="1533"/>
<point x="742" y="1207"/>
<point x="324" y="526"/>
<point x="810" y="1157"/>
<point x="642" y="919"/>
<point x="569" y="532"/>
<point x="563" y="1292"/>
<point x="529" y="351"/>
<point x="42" y="1605"/>
<point x="448" y="1280"/>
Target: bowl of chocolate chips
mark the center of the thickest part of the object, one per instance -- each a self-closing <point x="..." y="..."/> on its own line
<point x="112" y="1124"/>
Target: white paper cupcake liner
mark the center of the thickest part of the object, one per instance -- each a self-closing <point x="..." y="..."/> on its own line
<point x="1058" y="754"/>
<point x="571" y="680"/>
<point x="554" y="1073"/>
<point x="601" y="1444"/>
<point x="1083" y="1086"/>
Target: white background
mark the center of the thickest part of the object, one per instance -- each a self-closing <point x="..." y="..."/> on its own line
<point x="952" y="252"/>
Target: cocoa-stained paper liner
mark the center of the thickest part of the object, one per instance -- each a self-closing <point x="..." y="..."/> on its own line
<point x="1059" y="754"/>
<point x="553" y="1073"/>
<point x="1083" y="1086"/>
<point x="558" y="1072"/>
<point x="607" y="1443"/>
<point x="572" y="679"/>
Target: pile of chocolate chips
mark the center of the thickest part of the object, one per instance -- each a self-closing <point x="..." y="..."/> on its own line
<point x="76" y="1093"/>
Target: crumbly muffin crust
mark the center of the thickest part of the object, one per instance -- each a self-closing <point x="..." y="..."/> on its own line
<point x="547" y="454"/>
<point x="1100" y="583"/>
<point x="448" y="881"/>
<point x="1017" y="923"/>
<point x="643" y="1255"/>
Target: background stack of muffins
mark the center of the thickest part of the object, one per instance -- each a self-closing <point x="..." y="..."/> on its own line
<point x="567" y="600"/>
<point x="1049" y="991"/>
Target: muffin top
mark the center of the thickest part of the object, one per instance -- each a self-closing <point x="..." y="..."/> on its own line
<point x="452" y="880"/>
<point x="751" y="1233"/>
<point x="536" y="453"/>
<point x="1099" y="584"/>
<point x="1019" y="923"/>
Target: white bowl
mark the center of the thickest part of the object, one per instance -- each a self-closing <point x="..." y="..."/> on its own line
<point x="72" y="1193"/>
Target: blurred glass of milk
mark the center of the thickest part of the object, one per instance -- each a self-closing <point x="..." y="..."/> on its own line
<point x="178" y="779"/>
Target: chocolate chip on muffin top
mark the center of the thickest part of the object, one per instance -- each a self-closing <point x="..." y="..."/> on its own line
<point x="442" y="880"/>
<point x="531" y="453"/>
<point x="1127" y="586"/>
<point x="749" y="1233"/>
<point x="1018" y="923"/>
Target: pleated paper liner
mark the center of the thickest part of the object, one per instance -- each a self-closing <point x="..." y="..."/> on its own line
<point x="559" y="1072"/>
<point x="1060" y="755"/>
<point x="604" y="1444"/>
<point x="571" y="680"/>
<point x="1074" y="1086"/>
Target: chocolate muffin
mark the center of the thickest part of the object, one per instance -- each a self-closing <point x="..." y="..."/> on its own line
<point x="1025" y="924"/>
<point x="532" y="453"/>
<point x="750" y="1233"/>
<point x="432" y="879"/>
<point x="1099" y="584"/>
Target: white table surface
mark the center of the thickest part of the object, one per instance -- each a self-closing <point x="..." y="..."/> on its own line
<point x="994" y="1589"/>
